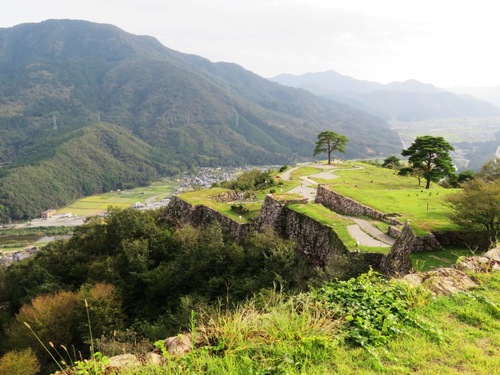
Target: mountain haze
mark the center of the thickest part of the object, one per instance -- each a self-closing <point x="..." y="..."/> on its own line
<point x="60" y="76"/>
<point x="402" y="101"/>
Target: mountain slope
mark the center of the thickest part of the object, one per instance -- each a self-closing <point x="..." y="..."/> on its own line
<point x="92" y="160"/>
<point x="403" y="101"/>
<point x="59" y="76"/>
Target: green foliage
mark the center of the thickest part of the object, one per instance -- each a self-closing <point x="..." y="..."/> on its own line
<point x="239" y="209"/>
<point x="490" y="171"/>
<point x="431" y="156"/>
<point x="61" y="318"/>
<point x="372" y="308"/>
<point x="392" y="162"/>
<point x="97" y="159"/>
<point x="455" y="180"/>
<point x="251" y="180"/>
<point x="328" y="142"/>
<point x="23" y="362"/>
<point x="476" y="206"/>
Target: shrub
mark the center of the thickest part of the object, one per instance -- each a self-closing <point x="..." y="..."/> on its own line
<point x="373" y="308"/>
<point x="22" y="362"/>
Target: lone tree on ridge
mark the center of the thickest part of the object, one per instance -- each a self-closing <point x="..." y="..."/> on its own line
<point x="328" y="142"/>
<point x="431" y="155"/>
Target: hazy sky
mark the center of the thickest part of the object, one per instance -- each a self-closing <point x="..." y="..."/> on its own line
<point x="443" y="42"/>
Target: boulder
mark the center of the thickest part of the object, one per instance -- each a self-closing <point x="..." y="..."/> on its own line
<point x="123" y="360"/>
<point x="179" y="345"/>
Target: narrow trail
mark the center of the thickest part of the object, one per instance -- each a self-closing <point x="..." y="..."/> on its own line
<point x="363" y="231"/>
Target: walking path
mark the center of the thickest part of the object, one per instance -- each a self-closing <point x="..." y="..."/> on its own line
<point x="363" y="231"/>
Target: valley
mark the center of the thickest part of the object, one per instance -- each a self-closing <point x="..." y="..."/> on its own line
<point x="476" y="139"/>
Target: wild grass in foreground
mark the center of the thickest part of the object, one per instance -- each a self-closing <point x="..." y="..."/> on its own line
<point x="364" y="326"/>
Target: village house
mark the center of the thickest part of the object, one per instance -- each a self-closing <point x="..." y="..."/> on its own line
<point x="47" y="214"/>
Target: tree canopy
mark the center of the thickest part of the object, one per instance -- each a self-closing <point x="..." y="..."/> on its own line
<point x="477" y="206"/>
<point x="491" y="170"/>
<point x="329" y="141"/>
<point x="431" y="155"/>
<point x="391" y="162"/>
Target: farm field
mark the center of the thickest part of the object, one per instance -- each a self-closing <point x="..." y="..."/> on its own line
<point x="382" y="189"/>
<point x="97" y="204"/>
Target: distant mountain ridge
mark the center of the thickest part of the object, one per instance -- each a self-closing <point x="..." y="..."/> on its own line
<point x="403" y="101"/>
<point x="60" y="76"/>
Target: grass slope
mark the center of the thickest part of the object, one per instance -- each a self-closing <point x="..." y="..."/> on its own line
<point x="275" y="334"/>
<point x="383" y="190"/>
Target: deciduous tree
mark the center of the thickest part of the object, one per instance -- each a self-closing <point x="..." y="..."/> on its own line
<point x="430" y="155"/>
<point x="491" y="170"/>
<point x="328" y="142"/>
<point x="477" y="206"/>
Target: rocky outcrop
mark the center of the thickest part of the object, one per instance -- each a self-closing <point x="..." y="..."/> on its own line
<point x="346" y="206"/>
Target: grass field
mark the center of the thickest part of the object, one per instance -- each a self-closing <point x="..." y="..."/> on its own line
<point x="202" y="197"/>
<point x="431" y="260"/>
<point x="96" y="204"/>
<point x="382" y="189"/>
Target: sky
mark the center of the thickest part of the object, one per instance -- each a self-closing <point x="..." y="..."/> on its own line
<point x="447" y="43"/>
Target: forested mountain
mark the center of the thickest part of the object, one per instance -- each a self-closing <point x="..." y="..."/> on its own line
<point x="59" y="76"/>
<point x="403" y="101"/>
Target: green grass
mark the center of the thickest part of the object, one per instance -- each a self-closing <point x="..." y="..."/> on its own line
<point x="427" y="261"/>
<point x="383" y="190"/>
<point x="203" y="197"/>
<point x="275" y="334"/>
<point x="304" y="171"/>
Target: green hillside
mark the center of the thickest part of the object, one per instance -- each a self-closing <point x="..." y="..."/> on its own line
<point x="58" y="76"/>
<point x="91" y="160"/>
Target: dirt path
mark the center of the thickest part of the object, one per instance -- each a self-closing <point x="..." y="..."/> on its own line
<point x="363" y="238"/>
<point x="363" y="231"/>
<point x="373" y="231"/>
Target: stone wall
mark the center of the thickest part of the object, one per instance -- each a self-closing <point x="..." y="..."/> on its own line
<point x="398" y="262"/>
<point x="227" y="196"/>
<point x="347" y="206"/>
<point x="272" y="213"/>
<point x="420" y="244"/>
<point x="179" y="212"/>
<point x="315" y="241"/>
<point x="472" y="240"/>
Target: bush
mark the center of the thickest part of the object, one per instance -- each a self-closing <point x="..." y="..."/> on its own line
<point x="22" y="362"/>
<point x="239" y="209"/>
<point x="373" y="308"/>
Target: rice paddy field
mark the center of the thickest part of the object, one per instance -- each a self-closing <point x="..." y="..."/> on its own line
<point x="96" y="204"/>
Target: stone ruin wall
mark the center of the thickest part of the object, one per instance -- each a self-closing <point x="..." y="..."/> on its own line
<point x="346" y="206"/>
<point x="179" y="212"/>
<point x="316" y="242"/>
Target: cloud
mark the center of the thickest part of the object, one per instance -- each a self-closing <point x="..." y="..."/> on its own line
<point x="444" y="42"/>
